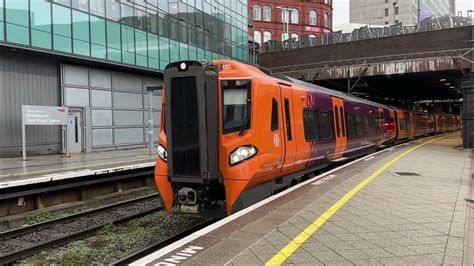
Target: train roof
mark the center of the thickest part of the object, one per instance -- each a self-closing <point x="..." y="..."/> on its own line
<point x="328" y="91"/>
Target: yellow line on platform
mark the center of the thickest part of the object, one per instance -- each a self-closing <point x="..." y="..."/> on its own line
<point x="294" y="244"/>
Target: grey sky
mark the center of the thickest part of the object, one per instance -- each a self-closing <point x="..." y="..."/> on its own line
<point x="341" y="9"/>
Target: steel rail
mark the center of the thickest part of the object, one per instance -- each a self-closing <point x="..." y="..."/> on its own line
<point x="23" y="253"/>
<point x="36" y="227"/>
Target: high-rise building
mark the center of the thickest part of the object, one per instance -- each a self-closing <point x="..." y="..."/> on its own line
<point x="98" y="57"/>
<point x="283" y="19"/>
<point x="385" y="12"/>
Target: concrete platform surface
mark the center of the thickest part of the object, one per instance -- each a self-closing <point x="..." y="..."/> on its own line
<point x="37" y="169"/>
<point x="403" y="206"/>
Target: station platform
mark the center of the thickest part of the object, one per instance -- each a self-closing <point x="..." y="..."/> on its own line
<point x="409" y="204"/>
<point x="40" y="169"/>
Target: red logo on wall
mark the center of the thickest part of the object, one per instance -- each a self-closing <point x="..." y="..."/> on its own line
<point x="62" y="110"/>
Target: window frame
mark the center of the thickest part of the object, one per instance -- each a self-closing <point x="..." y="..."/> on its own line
<point x="313" y="18"/>
<point x="294" y="15"/>
<point x="257" y="10"/>
<point x="330" y="126"/>
<point x="265" y="35"/>
<point x="336" y="116"/>
<point x="315" y="113"/>
<point x="343" y="122"/>
<point x="289" y="133"/>
<point x="274" y="121"/>
<point x="226" y="131"/>
<point x="353" y="132"/>
<point x="267" y="13"/>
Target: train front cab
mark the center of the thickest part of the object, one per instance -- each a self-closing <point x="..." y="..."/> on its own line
<point x="227" y="137"/>
<point x="187" y="169"/>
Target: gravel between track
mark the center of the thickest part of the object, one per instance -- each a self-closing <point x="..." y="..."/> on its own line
<point x="82" y="223"/>
<point x="115" y="242"/>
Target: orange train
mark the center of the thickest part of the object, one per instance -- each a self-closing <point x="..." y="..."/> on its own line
<point x="232" y="135"/>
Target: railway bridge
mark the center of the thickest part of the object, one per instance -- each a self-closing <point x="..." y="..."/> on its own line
<point x="433" y="68"/>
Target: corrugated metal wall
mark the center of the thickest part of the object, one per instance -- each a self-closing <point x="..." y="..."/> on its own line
<point x="27" y="79"/>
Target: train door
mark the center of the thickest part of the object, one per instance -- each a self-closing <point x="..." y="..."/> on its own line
<point x="74" y="131"/>
<point x="339" y="128"/>
<point x="288" y="128"/>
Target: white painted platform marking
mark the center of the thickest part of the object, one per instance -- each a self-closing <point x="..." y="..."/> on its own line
<point x="368" y="159"/>
<point x="323" y="180"/>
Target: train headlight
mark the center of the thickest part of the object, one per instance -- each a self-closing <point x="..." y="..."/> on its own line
<point x="162" y="153"/>
<point x="241" y="154"/>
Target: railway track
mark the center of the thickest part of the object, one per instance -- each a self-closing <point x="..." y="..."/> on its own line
<point x="161" y="244"/>
<point x="23" y="242"/>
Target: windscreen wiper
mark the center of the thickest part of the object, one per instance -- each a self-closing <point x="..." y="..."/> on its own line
<point x="244" y="123"/>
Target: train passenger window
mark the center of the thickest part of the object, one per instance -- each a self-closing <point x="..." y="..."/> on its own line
<point x="372" y="125"/>
<point x="343" y="124"/>
<point x="288" y="120"/>
<point x="365" y="120"/>
<point x="351" y="125"/>
<point x="325" y="124"/>
<point x="274" y="125"/>
<point x="235" y="105"/>
<point x="402" y="126"/>
<point x="336" y="114"/>
<point x="310" y="123"/>
<point x="359" y="125"/>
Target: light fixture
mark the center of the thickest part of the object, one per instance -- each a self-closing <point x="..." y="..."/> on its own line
<point x="162" y="153"/>
<point x="241" y="154"/>
<point x="447" y="83"/>
<point x="451" y="87"/>
<point x="442" y="80"/>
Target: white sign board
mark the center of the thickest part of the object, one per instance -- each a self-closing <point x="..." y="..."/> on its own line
<point x="44" y="115"/>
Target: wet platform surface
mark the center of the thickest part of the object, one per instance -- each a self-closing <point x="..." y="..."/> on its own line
<point x="15" y="171"/>
<point x="411" y="206"/>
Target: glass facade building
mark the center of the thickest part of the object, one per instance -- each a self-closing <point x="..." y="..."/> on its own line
<point x="143" y="33"/>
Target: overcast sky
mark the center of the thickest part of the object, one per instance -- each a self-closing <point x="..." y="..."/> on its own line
<point x="341" y="9"/>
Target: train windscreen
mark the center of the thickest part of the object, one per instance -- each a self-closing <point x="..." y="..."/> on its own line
<point x="236" y="105"/>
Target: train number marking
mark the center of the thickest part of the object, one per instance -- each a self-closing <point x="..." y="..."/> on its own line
<point x="180" y="256"/>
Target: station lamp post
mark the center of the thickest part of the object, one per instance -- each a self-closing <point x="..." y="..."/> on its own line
<point x="285" y="15"/>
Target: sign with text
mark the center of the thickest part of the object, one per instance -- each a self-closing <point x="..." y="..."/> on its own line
<point x="44" y="115"/>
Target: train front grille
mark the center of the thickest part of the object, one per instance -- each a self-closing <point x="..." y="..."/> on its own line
<point x="185" y="126"/>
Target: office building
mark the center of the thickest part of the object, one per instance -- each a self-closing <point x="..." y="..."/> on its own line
<point x="98" y="57"/>
<point x="280" y="20"/>
<point x="385" y="12"/>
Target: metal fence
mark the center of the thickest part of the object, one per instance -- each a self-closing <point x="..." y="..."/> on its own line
<point x="365" y="33"/>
